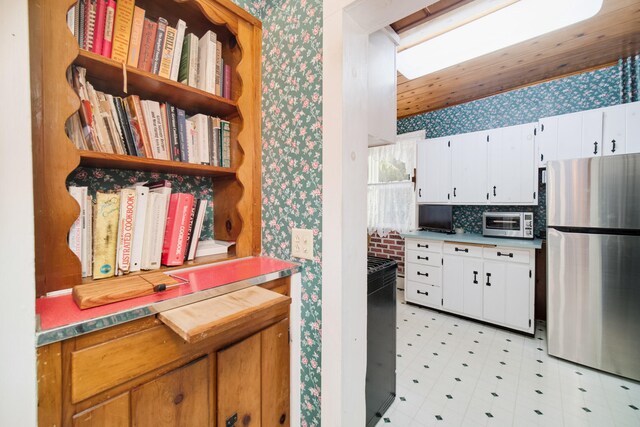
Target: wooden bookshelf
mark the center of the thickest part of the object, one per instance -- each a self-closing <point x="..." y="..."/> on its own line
<point x="53" y="49"/>
<point x="123" y="161"/>
<point x="108" y="75"/>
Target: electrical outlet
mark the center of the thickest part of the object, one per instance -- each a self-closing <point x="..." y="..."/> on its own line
<point x="302" y="243"/>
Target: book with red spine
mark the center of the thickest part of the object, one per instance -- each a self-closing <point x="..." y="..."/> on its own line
<point x="147" y="43"/>
<point x="177" y="229"/>
<point x="98" y="30"/>
<point x="109" y="20"/>
<point x="227" y="81"/>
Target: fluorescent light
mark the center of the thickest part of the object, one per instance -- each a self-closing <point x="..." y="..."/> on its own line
<point x="507" y="26"/>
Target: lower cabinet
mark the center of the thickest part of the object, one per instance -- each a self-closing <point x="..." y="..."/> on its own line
<point x="142" y="373"/>
<point x="489" y="283"/>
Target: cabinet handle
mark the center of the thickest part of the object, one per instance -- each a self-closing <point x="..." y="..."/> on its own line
<point x="488" y="277"/>
<point x="426" y="258"/>
<point x="595" y="147"/>
<point x="494" y="191"/>
<point x="475" y="277"/>
<point x="422" y="274"/>
<point x="454" y="192"/>
<point x="541" y="157"/>
<point x="510" y="255"/>
<point x="462" y="250"/>
<point x="613" y="149"/>
<point x="423" y="293"/>
<point x="419" y="192"/>
<point x="422" y="246"/>
<point x="542" y="127"/>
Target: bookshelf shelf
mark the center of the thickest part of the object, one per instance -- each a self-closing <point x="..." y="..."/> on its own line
<point x="120" y="161"/>
<point x="108" y="75"/>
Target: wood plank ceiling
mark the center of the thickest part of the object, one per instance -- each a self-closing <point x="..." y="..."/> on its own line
<point x="612" y="34"/>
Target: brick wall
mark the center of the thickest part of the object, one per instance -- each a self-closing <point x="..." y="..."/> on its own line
<point x="391" y="246"/>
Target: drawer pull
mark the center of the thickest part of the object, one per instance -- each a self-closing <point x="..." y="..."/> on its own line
<point x="510" y="255"/>
<point x="475" y="277"/>
<point x="488" y="279"/>
<point x="426" y="258"/>
<point x="422" y="246"/>
<point x="422" y="274"/>
<point x="423" y="293"/>
<point x="462" y="250"/>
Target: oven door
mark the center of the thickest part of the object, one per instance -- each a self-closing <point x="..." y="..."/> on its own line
<point x="503" y="225"/>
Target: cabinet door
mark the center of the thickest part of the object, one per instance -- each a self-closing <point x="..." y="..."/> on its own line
<point x="179" y="398"/>
<point x="570" y="136"/>
<point x="633" y="127"/>
<point x="494" y="291"/>
<point x="469" y="168"/>
<point x="547" y="140"/>
<point x="275" y="374"/>
<point x="512" y="168"/>
<point x="518" y="303"/>
<point x="434" y="171"/>
<point x="472" y="287"/>
<point x="592" y="133"/>
<point x="614" y="138"/>
<point x="239" y="383"/>
<point x="452" y="283"/>
<point x="112" y="413"/>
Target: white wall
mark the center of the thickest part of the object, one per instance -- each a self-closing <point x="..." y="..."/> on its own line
<point x="346" y="27"/>
<point x="17" y="287"/>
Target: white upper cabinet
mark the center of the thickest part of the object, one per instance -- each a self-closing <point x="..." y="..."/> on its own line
<point x="633" y="127"/>
<point x="592" y="133"/>
<point x="434" y="170"/>
<point x="512" y="166"/>
<point x="569" y="136"/>
<point x="547" y="140"/>
<point x="614" y="136"/>
<point x="382" y="88"/>
<point x="469" y="168"/>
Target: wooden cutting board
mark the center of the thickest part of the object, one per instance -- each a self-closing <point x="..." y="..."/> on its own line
<point x="196" y="321"/>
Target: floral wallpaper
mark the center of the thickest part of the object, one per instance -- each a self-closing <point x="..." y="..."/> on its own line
<point x="292" y="160"/>
<point x="595" y="89"/>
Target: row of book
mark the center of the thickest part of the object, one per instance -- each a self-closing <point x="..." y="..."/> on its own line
<point x="137" y="228"/>
<point x="121" y="31"/>
<point x="145" y="128"/>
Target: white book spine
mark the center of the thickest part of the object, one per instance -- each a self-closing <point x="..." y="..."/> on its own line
<point x="148" y="238"/>
<point x="87" y="239"/>
<point x="142" y="195"/>
<point x="207" y="62"/>
<point x="192" y="138"/>
<point x="202" y="128"/>
<point x="71" y="19"/>
<point x="162" y="208"/>
<point x="193" y="61"/>
<point x="75" y="233"/>
<point x="177" y="51"/>
<point x="157" y="131"/>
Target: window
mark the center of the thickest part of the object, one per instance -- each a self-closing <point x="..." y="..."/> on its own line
<point x="391" y="193"/>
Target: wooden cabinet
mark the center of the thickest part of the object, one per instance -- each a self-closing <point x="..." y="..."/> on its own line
<point x="382" y="87"/>
<point x="53" y="50"/>
<point x="512" y="167"/>
<point x="484" y="282"/>
<point x="239" y="369"/>
<point x="469" y="168"/>
<point x="434" y="176"/>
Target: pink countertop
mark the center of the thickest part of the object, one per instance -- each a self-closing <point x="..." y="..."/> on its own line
<point x="59" y="311"/>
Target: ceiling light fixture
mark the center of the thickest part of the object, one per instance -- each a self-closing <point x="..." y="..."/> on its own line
<point x="502" y="27"/>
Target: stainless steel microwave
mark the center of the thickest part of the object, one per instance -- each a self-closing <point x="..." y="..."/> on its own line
<point x="508" y="224"/>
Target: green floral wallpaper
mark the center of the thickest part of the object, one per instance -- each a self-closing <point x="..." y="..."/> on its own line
<point x="595" y="89"/>
<point x="292" y="160"/>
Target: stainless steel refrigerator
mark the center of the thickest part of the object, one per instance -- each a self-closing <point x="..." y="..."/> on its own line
<point x="593" y="278"/>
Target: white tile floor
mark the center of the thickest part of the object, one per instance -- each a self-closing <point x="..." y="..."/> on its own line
<point x="457" y="372"/>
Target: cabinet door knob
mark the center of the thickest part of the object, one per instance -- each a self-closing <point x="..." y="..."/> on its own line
<point x="419" y="192"/>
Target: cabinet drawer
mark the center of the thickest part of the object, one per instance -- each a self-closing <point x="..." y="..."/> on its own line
<point x="423" y="245"/>
<point x="506" y="254"/>
<point x="424" y="294"/>
<point x="462" y="249"/>
<point x="424" y="258"/>
<point x="423" y="274"/>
